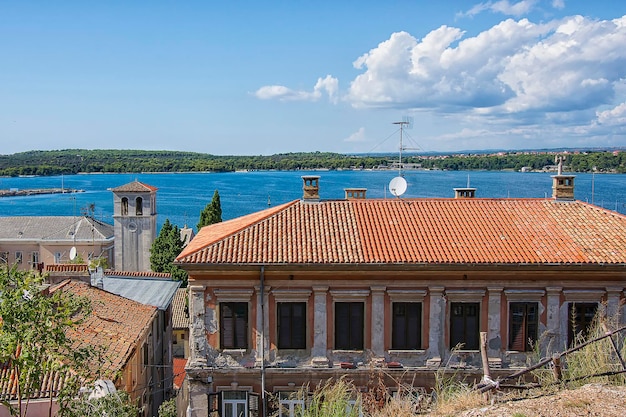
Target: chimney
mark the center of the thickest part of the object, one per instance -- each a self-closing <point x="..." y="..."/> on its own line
<point x="464" y="192"/>
<point x="355" y="193"/>
<point x="311" y="188"/>
<point x="97" y="277"/>
<point x="562" y="185"/>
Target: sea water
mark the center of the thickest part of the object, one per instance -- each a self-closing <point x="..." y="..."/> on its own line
<point x="181" y="196"/>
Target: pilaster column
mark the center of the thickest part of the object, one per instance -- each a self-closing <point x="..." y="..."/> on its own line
<point x="436" y="320"/>
<point x="262" y="330"/>
<point x="553" y="314"/>
<point x="494" y="340"/>
<point x="320" y="326"/>
<point x="198" y="344"/>
<point x="378" y="320"/>
<point x="613" y="295"/>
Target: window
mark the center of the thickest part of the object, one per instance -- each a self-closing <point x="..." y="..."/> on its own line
<point x="289" y="404"/>
<point x="464" y="325"/>
<point x="4" y="257"/>
<point x="144" y="353"/>
<point x="34" y="259"/>
<point x="124" y="206"/>
<point x="349" y="325"/>
<point x="406" y="331"/>
<point x="19" y="257"/>
<point x="139" y="206"/>
<point x="580" y="319"/>
<point x="233" y="404"/>
<point x="291" y="325"/>
<point x="57" y="258"/>
<point x="234" y="325"/>
<point x="523" y="324"/>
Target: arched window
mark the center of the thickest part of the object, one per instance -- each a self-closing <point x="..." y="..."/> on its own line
<point x="139" y="206"/>
<point x="124" y="206"/>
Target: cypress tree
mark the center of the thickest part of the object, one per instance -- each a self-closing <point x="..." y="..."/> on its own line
<point x="212" y="213"/>
<point x="165" y="248"/>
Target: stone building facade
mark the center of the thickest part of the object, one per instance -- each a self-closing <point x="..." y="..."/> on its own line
<point x="392" y="288"/>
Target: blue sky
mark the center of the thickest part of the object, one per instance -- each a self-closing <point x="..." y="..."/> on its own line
<point x="259" y="77"/>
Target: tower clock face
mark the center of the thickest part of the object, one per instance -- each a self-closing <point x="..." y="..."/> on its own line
<point x="132" y="226"/>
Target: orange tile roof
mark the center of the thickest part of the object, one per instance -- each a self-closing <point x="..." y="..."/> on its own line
<point x="180" y="311"/>
<point x="134" y="187"/>
<point x="401" y="231"/>
<point x="116" y="324"/>
<point x="179" y="372"/>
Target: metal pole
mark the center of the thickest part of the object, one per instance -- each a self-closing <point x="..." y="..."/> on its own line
<point x="264" y="407"/>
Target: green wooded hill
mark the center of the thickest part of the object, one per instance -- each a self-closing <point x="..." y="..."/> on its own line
<point x="73" y="161"/>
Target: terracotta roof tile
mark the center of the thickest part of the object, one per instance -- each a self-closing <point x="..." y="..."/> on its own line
<point x="180" y="311"/>
<point x="179" y="372"/>
<point x="396" y="231"/>
<point x="116" y="324"/>
<point x="134" y="187"/>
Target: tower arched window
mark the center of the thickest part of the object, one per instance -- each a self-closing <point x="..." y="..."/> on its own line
<point x="139" y="206"/>
<point x="124" y="206"/>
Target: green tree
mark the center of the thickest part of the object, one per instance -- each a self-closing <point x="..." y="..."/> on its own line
<point x="168" y="408"/>
<point x="116" y="404"/>
<point x="165" y="248"/>
<point x="34" y="331"/>
<point x="212" y="213"/>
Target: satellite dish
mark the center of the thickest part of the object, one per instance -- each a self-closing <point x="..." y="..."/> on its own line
<point x="73" y="253"/>
<point x="397" y="186"/>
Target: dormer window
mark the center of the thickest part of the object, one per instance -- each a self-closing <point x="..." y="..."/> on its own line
<point x="139" y="206"/>
<point x="124" y="206"/>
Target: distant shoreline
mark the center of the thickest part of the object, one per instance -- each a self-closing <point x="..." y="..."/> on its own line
<point x="37" y="191"/>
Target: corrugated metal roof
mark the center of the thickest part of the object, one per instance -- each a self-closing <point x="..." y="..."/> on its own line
<point x="149" y="291"/>
<point x="416" y="231"/>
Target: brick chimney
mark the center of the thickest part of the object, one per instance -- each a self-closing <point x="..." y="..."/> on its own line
<point x="355" y="193"/>
<point x="311" y="188"/>
<point x="562" y="185"/>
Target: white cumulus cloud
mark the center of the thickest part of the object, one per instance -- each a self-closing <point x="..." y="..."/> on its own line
<point x="328" y="85"/>
<point x="505" y="7"/>
<point x="511" y="68"/>
<point x="358" y="136"/>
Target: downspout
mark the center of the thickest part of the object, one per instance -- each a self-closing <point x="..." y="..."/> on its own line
<point x="262" y="278"/>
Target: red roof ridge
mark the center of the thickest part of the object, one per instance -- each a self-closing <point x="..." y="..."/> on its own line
<point x="218" y="231"/>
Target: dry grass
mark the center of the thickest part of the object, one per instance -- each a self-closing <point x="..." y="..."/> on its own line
<point x="453" y="396"/>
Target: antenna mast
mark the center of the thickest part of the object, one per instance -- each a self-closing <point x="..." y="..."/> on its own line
<point x="402" y="124"/>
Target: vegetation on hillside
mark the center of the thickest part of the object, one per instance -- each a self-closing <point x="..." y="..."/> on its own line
<point x="73" y="161"/>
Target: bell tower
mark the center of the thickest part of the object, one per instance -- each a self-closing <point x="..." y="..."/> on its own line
<point x="134" y="219"/>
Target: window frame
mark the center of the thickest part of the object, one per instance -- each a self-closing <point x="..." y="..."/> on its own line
<point x="529" y="327"/>
<point x="346" y="326"/>
<point x="34" y="259"/>
<point x="406" y="333"/>
<point x="124" y="206"/>
<point x="465" y="329"/>
<point x="297" y="326"/>
<point x="574" y="327"/>
<point x="237" y="317"/>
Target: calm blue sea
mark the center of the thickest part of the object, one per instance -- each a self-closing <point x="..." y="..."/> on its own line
<point x="181" y="197"/>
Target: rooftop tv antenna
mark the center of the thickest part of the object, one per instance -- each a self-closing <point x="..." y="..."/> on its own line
<point x="398" y="185"/>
